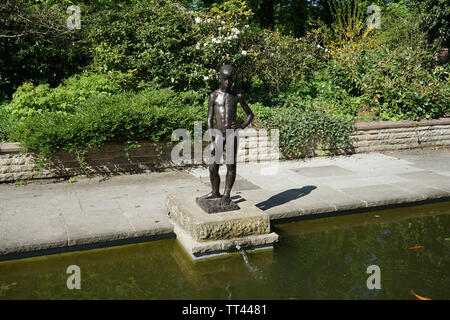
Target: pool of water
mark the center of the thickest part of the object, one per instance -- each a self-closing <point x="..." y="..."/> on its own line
<point x="324" y="258"/>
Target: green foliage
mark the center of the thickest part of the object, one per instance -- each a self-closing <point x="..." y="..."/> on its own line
<point x="303" y="133"/>
<point x="36" y="45"/>
<point x="155" y="42"/>
<point x="393" y="73"/>
<point x="5" y="123"/>
<point x="126" y="117"/>
<point x="435" y="20"/>
<point x="144" y="68"/>
<point x="282" y="61"/>
<point x="348" y="17"/>
<point x="30" y="99"/>
<point x="164" y="45"/>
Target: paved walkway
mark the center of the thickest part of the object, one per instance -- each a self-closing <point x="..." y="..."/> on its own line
<point x="46" y="215"/>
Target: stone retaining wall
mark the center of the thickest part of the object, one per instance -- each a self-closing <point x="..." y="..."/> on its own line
<point x="254" y="146"/>
<point x="113" y="157"/>
<point x="385" y="135"/>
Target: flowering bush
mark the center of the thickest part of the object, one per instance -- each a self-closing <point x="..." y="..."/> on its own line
<point x="164" y="45"/>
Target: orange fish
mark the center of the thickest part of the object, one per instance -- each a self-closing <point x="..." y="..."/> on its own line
<point x="416" y="247"/>
<point x="419" y="297"/>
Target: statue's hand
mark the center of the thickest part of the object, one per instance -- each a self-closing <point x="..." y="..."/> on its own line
<point x="236" y="125"/>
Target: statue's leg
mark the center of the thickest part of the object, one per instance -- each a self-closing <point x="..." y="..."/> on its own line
<point x="231" y="174"/>
<point x="214" y="178"/>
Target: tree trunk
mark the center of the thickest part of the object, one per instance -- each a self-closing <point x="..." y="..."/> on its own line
<point x="267" y="20"/>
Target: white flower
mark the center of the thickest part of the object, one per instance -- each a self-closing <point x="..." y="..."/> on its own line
<point x="235" y="30"/>
<point x="208" y="20"/>
<point x="205" y="78"/>
<point x="197" y="46"/>
<point x="198" y="20"/>
<point x="244" y="52"/>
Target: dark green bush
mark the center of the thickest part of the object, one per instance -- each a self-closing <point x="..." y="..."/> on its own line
<point x="303" y="133"/>
<point x="36" y="45"/>
<point x="127" y="118"/>
<point x="435" y="21"/>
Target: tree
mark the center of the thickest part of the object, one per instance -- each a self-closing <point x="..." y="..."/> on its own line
<point x="36" y="45"/>
<point x="436" y="20"/>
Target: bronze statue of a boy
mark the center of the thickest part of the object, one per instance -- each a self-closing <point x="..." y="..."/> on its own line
<point x="222" y="107"/>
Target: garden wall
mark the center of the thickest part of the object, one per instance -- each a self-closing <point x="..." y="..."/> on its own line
<point x="386" y="135"/>
<point x="113" y="158"/>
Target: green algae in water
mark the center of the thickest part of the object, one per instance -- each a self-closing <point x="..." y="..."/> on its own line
<point x="323" y="258"/>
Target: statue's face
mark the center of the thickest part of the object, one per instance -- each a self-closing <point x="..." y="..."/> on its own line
<point x="226" y="81"/>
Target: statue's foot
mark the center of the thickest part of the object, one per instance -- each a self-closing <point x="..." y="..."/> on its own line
<point x="225" y="200"/>
<point x="210" y="196"/>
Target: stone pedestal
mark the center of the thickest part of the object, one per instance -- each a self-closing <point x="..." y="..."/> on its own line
<point x="205" y="235"/>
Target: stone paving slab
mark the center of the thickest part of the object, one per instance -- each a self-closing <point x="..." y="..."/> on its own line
<point x="322" y="171"/>
<point x="96" y="226"/>
<point x="56" y="214"/>
<point x="382" y="195"/>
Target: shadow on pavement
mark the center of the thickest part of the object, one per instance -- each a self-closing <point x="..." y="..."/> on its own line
<point x="284" y="197"/>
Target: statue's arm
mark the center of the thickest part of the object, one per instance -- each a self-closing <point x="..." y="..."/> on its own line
<point x="247" y="110"/>
<point x="210" y="120"/>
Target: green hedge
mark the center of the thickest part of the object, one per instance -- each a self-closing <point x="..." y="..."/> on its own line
<point x="302" y="133"/>
<point x="126" y="117"/>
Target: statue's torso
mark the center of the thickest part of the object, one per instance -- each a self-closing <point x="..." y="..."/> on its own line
<point x="225" y="109"/>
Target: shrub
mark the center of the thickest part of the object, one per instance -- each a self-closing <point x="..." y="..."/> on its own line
<point x="36" y="45"/>
<point x="349" y="19"/>
<point x="393" y="72"/>
<point x="30" y="99"/>
<point x="164" y="45"/>
<point x="303" y="133"/>
<point x="5" y="123"/>
<point x="126" y="117"/>
<point x="435" y="21"/>
<point x="283" y="61"/>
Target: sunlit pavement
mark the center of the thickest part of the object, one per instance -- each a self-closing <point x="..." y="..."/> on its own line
<point x="48" y="214"/>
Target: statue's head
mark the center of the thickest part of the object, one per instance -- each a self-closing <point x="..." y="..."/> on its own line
<point x="226" y="77"/>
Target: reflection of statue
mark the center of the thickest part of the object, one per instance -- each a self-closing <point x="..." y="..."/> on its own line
<point x="222" y="107"/>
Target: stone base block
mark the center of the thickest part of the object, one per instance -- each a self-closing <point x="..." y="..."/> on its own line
<point x="201" y="226"/>
<point x="209" y="249"/>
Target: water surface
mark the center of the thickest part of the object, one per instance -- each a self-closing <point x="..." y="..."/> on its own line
<point x="323" y="258"/>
